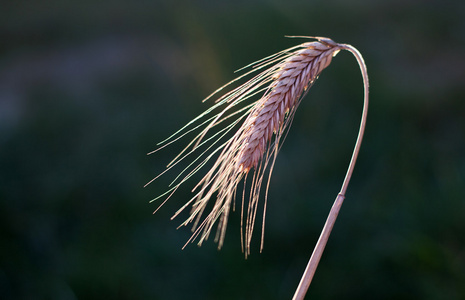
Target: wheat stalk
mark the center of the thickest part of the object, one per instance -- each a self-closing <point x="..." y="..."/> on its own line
<point x="286" y="77"/>
<point x="334" y="212"/>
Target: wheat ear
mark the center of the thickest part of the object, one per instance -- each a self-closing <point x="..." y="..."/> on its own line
<point x="286" y="77"/>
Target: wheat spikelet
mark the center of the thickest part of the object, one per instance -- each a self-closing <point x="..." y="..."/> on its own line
<point x="286" y="77"/>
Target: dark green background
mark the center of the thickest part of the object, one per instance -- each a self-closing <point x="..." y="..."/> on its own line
<point x="87" y="88"/>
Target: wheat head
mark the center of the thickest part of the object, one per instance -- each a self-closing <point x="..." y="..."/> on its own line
<point x="285" y="78"/>
<point x="289" y="82"/>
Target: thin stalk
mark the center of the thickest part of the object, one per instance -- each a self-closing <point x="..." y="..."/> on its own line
<point x="319" y="247"/>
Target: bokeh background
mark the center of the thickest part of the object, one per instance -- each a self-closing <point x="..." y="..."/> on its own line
<point x="87" y="88"/>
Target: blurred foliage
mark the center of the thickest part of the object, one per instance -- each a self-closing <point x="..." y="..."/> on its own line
<point x="88" y="88"/>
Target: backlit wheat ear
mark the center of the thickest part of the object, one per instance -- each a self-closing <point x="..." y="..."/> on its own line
<point x="242" y="142"/>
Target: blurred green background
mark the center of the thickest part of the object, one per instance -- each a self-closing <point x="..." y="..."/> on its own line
<point x="87" y="88"/>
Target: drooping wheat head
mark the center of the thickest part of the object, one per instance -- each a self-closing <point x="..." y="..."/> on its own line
<point x="285" y="78"/>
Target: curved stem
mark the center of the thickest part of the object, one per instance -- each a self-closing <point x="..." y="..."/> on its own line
<point x="361" y="130"/>
<point x="319" y="247"/>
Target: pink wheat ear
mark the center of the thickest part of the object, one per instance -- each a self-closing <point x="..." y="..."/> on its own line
<point x="243" y="142"/>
